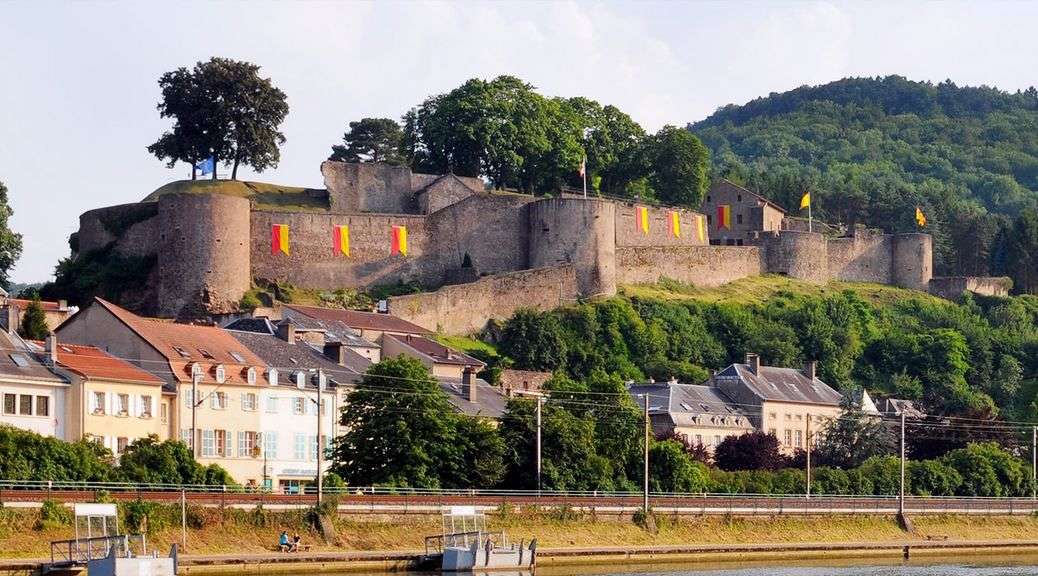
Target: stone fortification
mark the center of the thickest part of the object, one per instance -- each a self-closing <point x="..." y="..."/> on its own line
<point x="952" y="287"/>
<point x="210" y="247"/>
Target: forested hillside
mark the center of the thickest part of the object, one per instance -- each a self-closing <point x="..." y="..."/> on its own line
<point x="871" y="150"/>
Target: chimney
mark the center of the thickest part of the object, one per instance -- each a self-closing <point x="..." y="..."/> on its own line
<point x="753" y="361"/>
<point x="673" y="381"/>
<point x="334" y="351"/>
<point x="51" y="347"/>
<point x="286" y="331"/>
<point x="810" y="369"/>
<point x="468" y="383"/>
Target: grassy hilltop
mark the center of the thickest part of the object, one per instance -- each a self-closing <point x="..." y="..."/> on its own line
<point x="266" y="196"/>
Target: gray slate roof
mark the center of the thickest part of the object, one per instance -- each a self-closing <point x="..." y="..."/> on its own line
<point x="490" y="401"/>
<point x="33" y="368"/>
<point x="781" y="384"/>
<point x="299" y="355"/>
<point x="691" y="405"/>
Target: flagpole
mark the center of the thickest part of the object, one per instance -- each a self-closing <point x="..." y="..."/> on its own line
<point x="810" y="228"/>
<point x="583" y="176"/>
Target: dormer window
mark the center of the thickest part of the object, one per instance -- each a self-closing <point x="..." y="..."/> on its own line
<point x="272" y="376"/>
<point x="250" y="376"/>
<point x="221" y="374"/>
<point x="196" y="369"/>
<point x="300" y="379"/>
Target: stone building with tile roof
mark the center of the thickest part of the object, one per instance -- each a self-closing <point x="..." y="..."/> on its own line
<point x="701" y="414"/>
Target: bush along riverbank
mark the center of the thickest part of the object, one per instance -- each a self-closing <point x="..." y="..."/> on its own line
<point x="26" y="533"/>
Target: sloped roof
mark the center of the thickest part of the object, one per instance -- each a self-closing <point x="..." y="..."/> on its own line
<point x="438" y="352"/>
<point x="334" y="331"/>
<point x="94" y="363"/>
<point x="782" y="384"/>
<point x="184" y="345"/>
<point x="360" y="320"/>
<point x="18" y="360"/>
<point x="726" y="182"/>
<point x="45" y="304"/>
<point x="692" y="404"/>
<point x="287" y="357"/>
<point x="490" y="402"/>
<point x="258" y="325"/>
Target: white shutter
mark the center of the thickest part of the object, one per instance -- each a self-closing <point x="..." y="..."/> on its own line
<point x="138" y="405"/>
<point x="110" y="401"/>
<point x="93" y="402"/>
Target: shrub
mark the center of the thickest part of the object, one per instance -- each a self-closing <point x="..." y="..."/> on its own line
<point x="53" y="514"/>
<point x="752" y="451"/>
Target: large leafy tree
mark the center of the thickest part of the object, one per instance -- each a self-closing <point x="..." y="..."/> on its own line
<point x="10" y="241"/>
<point x="151" y="461"/>
<point x="1016" y="252"/>
<point x="224" y="109"/>
<point x="751" y="451"/>
<point x="371" y="140"/>
<point x="679" y="166"/>
<point x="853" y="437"/>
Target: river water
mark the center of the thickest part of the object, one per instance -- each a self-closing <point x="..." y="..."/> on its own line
<point x="963" y="566"/>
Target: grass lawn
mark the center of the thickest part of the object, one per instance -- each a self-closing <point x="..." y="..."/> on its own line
<point x="266" y="196"/>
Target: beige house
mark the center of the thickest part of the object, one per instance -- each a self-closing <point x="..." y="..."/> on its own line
<point x="12" y="310"/>
<point x="735" y="216"/>
<point x="701" y="415"/>
<point x="789" y="403"/>
<point x="439" y="359"/>
<point x="110" y="400"/>
<point x="227" y="375"/>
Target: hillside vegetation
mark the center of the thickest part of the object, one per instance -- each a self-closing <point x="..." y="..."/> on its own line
<point x="872" y="149"/>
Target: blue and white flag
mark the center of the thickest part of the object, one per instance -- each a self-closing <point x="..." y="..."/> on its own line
<point x="206" y="166"/>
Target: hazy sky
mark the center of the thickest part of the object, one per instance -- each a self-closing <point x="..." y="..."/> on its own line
<point x="78" y="88"/>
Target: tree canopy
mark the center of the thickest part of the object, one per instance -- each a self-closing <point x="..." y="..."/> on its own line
<point x="10" y="241"/>
<point x="223" y="109"/>
<point x="370" y="140"/>
<point x="34" y="322"/>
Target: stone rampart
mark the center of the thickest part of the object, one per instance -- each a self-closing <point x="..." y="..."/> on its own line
<point x="866" y="256"/>
<point x="493" y="229"/>
<point x="381" y="188"/>
<point x="579" y="232"/>
<point x="697" y="265"/>
<point x="800" y="255"/>
<point x="131" y="227"/>
<point x="630" y="233"/>
<point x="952" y="287"/>
<point x="912" y="263"/>
<point x="466" y="308"/>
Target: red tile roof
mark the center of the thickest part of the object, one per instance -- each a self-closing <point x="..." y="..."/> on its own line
<point x="186" y="344"/>
<point x="438" y="352"/>
<point x="361" y="320"/>
<point x="46" y="305"/>
<point x="94" y="363"/>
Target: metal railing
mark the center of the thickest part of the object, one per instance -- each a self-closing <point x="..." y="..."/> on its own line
<point x="83" y="550"/>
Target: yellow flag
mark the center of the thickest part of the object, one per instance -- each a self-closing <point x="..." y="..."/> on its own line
<point x="805" y="202"/>
<point x="920" y="218"/>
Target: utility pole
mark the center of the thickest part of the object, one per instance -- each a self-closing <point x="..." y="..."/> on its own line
<point x="320" y="448"/>
<point x="645" y="487"/>
<point x="540" y="401"/>
<point x="1034" y="461"/>
<point x="195" y="377"/>
<point x="808" y="448"/>
<point x="183" y="519"/>
<point x="901" y="492"/>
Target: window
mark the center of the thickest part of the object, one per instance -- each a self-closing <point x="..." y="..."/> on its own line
<point x="299" y="405"/>
<point x="24" y="405"/>
<point x="717" y="441"/>
<point x="185" y="437"/>
<point x="207" y="353"/>
<point x="300" y="379"/>
<point x="272" y="404"/>
<point x="145" y="406"/>
<point x="312" y="443"/>
<point x="196" y="369"/>
<point x="771" y="415"/>
<point x="121" y="444"/>
<point x="221" y="374"/>
<point x="238" y="357"/>
<point x="123" y="406"/>
<point x="739" y="197"/>
<point x="183" y="353"/>
<point x="311" y="406"/>
<point x="789" y="438"/>
<point x="699" y="439"/>
<point x="800" y="417"/>
<point x="272" y="377"/>
<point x="800" y="439"/>
<point x="270" y="444"/>
<point x="219" y="400"/>
<point x="209" y="443"/>
<point x="164" y="413"/>
<point x="300" y="446"/>
<point x="10" y="400"/>
<point x="708" y="198"/>
<point x="789" y="416"/>
<point x="189" y="397"/>
<point x="20" y="360"/>
<point x="246" y="444"/>
<point x="250" y="376"/>
<point x="223" y="446"/>
<point x="43" y="406"/>
<point x="248" y="401"/>
<point x="98" y="403"/>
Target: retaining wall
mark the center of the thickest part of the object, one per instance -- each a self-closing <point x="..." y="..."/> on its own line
<point x="697" y="265"/>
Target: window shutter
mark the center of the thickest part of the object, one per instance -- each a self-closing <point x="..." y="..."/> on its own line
<point x="241" y="442"/>
<point x="93" y="402"/>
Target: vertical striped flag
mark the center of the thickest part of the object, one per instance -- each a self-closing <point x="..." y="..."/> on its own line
<point x="724" y="216"/>
<point x="279" y="238"/>
<point x="341" y="240"/>
<point x="399" y="241"/>
<point x="643" y="219"/>
<point x="675" y="224"/>
<point x="699" y="227"/>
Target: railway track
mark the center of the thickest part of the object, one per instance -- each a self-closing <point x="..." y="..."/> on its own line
<point x="662" y="503"/>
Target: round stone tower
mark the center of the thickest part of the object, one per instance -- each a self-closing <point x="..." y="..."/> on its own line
<point x="912" y="265"/>
<point x="801" y="255"/>
<point x="203" y="255"/>
<point x="577" y="231"/>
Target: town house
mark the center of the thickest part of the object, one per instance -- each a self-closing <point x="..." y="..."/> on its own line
<point x="700" y="415"/>
<point x="33" y="396"/>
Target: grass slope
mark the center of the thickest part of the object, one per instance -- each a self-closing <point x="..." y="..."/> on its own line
<point x="266" y="196"/>
<point x="757" y="289"/>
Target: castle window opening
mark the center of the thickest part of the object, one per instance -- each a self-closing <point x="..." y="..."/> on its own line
<point x="738" y="218"/>
<point x="738" y="242"/>
<point x="739" y="197"/>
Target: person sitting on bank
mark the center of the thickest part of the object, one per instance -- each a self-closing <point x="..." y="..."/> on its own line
<point x="283" y="542"/>
<point x="296" y="542"/>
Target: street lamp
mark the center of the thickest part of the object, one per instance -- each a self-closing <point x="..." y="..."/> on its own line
<point x="318" y="379"/>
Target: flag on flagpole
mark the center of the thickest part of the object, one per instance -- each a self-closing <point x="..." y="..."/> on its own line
<point x="920" y="218"/>
<point x="643" y="219"/>
<point x="805" y="201"/>
<point x="724" y="216"/>
<point x="341" y="240"/>
<point x="206" y="166"/>
<point x="675" y="224"/>
<point x="279" y="239"/>
<point x="399" y="241"/>
<point x="583" y="167"/>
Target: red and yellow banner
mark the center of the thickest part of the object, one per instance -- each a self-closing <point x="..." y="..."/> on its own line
<point x="341" y="240"/>
<point x="399" y="241"/>
<point x="279" y="239"/>
<point x="675" y="224"/>
<point x="724" y="216"/>
<point x="643" y="219"/>
<point x="699" y="227"/>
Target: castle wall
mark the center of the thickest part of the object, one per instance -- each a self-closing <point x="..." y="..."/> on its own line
<point x="801" y="255"/>
<point x="446" y="191"/>
<point x="466" y="308"/>
<point x="629" y="232"/>
<point x="493" y="229"/>
<point x="866" y="256"/>
<point x="312" y="261"/>
<point x="951" y="287"/>
<point x="912" y="261"/>
<point x="203" y="254"/>
<point x="696" y="265"/>
<point x="132" y="227"/>
<point x="579" y="232"/>
<point x="379" y="188"/>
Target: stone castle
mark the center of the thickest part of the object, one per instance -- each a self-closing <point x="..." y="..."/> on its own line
<point x="491" y="252"/>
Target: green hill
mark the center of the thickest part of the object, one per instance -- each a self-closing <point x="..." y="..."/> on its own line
<point x="266" y="196"/>
<point x="872" y="149"/>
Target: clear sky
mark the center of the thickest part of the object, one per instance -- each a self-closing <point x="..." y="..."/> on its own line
<point x="78" y="88"/>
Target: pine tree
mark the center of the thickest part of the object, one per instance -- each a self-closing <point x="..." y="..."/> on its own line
<point x="34" y="323"/>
